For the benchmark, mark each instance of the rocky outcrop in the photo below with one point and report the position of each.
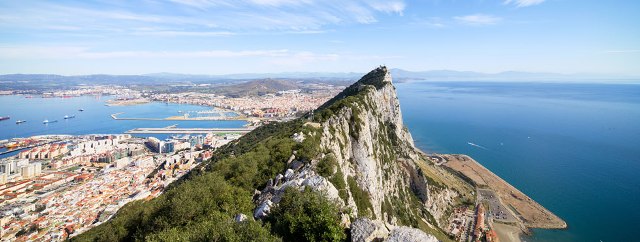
(406, 234)
(379, 176)
(302, 177)
(363, 128)
(366, 230)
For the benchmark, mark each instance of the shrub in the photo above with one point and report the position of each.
(327, 165)
(361, 197)
(306, 216)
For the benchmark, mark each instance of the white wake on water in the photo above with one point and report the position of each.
(479, 146)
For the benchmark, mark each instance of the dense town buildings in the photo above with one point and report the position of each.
(59, 189)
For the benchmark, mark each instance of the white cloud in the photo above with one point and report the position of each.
(478, 19)
(294, 14)
(191, 16)
(389, 6)
(80, 52)
(523, 3)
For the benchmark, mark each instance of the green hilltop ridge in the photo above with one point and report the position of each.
(347, 171)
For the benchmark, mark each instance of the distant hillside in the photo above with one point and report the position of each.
(154, 81)
(257, 87)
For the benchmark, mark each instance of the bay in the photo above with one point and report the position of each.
(95, 119)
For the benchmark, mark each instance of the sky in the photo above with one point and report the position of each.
(269, 36)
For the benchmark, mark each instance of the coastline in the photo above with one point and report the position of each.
(130, 102)
(182, 118)
(527, 212)
(508, 233)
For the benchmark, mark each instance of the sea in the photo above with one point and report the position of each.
(95, 119)
(574, 148)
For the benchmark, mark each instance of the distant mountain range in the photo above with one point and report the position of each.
(399, 74)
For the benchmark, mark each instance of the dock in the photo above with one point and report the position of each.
(182, 118)
(171, 130)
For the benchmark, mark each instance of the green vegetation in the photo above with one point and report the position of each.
(252, 169)
(338, 181)
(327, 165)
(309, 148)
(306, 216)
(202, 209)
(361, 197)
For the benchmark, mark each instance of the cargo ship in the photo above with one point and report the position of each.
(68, 117)
(4, 118)
(46, 121)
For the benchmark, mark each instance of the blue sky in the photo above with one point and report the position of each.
(257, 36)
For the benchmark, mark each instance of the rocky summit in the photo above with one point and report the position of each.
(346, 171)
(387, 178)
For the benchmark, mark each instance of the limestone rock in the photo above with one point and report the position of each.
(263, 209)
(240, 218)
(366, 230)
(406, 234)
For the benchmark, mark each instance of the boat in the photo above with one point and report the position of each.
(20, 121)
(68, 117)
(81, 110)
(4, 118)
(46, 121)
(12, 145)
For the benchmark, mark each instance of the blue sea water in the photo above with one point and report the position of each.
(95, 119)
(574, 148)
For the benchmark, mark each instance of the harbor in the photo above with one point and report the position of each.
(184, 117)
(172, 130)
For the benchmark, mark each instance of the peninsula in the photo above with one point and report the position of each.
(347, 169)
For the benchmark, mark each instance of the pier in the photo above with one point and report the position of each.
(115, 117)
(182, 118)
(170, 130)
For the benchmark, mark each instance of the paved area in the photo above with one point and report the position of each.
(497, 210)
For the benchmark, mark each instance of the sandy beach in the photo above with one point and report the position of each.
(507, 233)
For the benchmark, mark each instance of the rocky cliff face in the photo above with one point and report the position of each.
(362, 128)
(368, 164)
